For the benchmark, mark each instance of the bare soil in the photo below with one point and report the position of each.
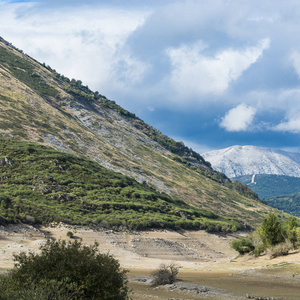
(209, 268)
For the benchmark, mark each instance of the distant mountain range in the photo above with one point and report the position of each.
(273, 174)
(248, 160)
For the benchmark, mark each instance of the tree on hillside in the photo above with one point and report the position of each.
(65, 271)
(271, 230)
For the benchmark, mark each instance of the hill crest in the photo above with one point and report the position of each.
(249, 160)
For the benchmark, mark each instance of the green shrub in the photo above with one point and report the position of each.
(70, 268)
(270, 235)
(70, 234)
(259, 249)
(242, 245)
(45, 289)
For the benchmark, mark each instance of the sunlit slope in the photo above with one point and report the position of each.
(39, 105)
(42, 185)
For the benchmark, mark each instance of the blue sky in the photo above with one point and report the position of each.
(211, 73)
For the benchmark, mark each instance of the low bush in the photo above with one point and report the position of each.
(165, 274)
(259, 249)
(242, 245)
(70, 234)
(280, 249)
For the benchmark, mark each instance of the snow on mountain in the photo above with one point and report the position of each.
(248, 160)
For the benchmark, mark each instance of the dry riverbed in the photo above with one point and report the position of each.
(209, 268)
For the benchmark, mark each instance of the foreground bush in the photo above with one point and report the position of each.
(165, 274)
(45, 289)
(65, 271)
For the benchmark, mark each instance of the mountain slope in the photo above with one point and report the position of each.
(39, 105)
(287, 203)
(40, 184)
(248, 160)
(268, 186)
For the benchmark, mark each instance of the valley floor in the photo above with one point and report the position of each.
(209, 268)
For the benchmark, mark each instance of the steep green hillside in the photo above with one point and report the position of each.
(39, 105)
(287, 203)
(267, 186)
(39, 184)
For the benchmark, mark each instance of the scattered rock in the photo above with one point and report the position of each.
(6, 161)
(259, 298)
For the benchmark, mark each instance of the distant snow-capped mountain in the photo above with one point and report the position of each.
(247, 160)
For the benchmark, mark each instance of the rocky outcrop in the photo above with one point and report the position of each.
(6, 161)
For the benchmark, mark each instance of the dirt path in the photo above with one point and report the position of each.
(209, 268)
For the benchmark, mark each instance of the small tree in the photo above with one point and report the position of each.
(271, 230)
(165, 274)
(70, 234)
(73, 267)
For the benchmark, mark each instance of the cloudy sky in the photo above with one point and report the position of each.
(211, 73)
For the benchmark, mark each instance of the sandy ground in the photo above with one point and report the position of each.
(209, 268)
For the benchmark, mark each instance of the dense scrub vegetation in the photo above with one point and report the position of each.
(287, 203)
(41, 185)
(272, 235)
(64, 271)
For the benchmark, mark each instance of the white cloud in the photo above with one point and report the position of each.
(295, 58)
(196, 74)
(238, 118)
(126, 71)
(292, 125)
(131, 53)
(80, 42)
